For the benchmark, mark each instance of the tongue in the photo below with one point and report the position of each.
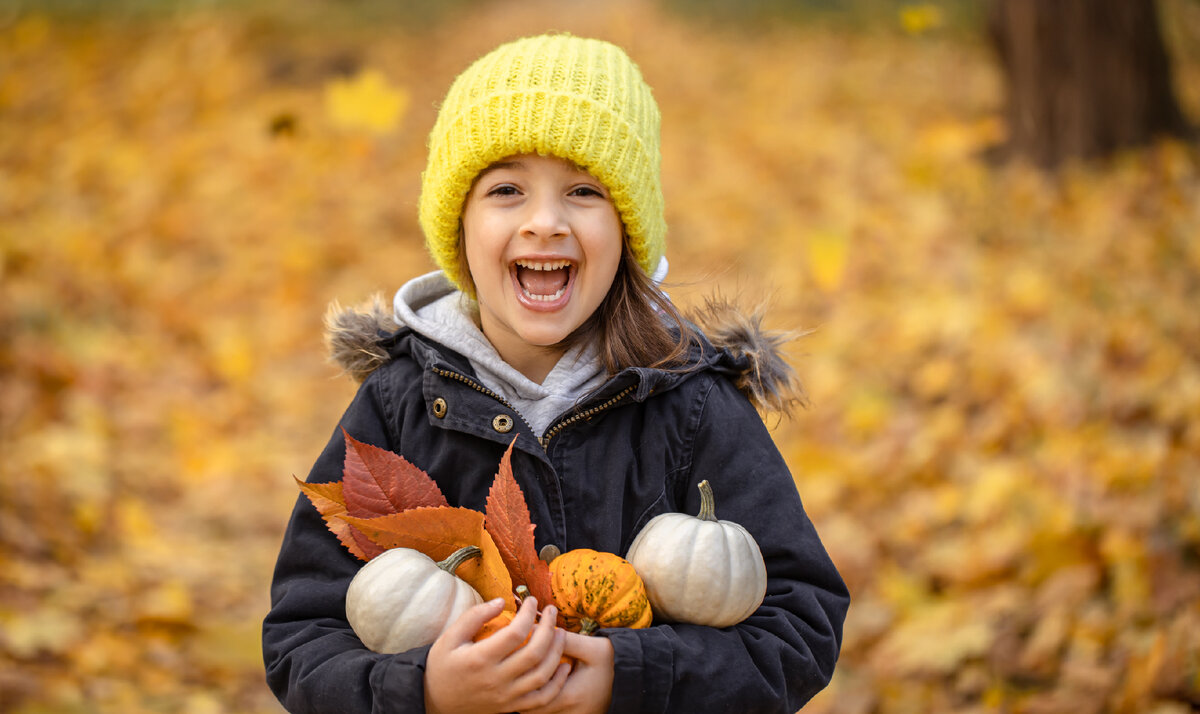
(542, 282)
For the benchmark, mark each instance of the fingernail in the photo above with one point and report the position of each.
(496, 601)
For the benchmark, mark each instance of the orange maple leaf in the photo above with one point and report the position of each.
(330, 502)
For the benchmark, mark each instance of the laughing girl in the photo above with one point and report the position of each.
(541, 205)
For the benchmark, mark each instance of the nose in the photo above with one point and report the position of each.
(545, 218)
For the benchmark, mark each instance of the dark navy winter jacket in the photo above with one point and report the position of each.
(636, 448)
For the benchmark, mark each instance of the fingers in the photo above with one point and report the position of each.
(546, 694)
(588, 688)
(582, 647)
(520, 662)
(450, 656)
(534, 642)
(587, 650)
(538, 637)
(511, 637)
(463, 630)
(534, 664)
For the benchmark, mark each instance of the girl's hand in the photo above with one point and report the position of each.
(589, 687)
(503, 673)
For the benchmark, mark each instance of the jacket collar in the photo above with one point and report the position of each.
(732, 342)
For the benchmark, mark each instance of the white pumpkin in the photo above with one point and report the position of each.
(698, 569)
(402, 599)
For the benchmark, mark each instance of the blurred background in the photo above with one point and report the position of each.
(988, 214)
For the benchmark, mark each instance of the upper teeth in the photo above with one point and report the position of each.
(543, 265)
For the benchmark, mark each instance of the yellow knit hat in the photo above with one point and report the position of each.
(556, 95)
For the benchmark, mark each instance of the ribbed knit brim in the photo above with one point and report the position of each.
(557, 95)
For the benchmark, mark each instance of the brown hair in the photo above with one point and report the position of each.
(632, 327)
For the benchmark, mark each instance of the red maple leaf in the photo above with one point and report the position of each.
(378, 482)
(507, 520)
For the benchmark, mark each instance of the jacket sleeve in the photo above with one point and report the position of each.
(314, 661)
(783, 654)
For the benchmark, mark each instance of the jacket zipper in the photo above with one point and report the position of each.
(459, 377)
(552, 431)
(586, 414)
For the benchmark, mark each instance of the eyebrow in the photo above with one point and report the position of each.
(514, 164)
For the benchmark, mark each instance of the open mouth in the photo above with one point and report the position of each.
(543, 281)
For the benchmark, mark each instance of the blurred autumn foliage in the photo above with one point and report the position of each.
(1003, 448)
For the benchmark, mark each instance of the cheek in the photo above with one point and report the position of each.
(612, 246)
(476, 255)
(473, 235)
(612, 263)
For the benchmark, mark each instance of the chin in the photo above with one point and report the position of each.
(545, 339)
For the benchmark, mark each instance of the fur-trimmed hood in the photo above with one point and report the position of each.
(733, 340)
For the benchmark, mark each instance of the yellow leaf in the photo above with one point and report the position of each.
(918, 19)
(134, 522)
(169, 602)
(233, 355)
(934, 640)
(1125, 555)
(366, 102)
(901, 589)
(105, 653)
(45, 630)
(936, 377)
(867, 411)
(827, 255)
(227, 644)
(1042, 648)
(31, 33)
(1029, 291)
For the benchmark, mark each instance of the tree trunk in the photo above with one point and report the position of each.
(1083, 77)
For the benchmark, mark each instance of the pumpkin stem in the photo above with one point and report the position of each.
(587, 626)
(459, 557)
(708, 505)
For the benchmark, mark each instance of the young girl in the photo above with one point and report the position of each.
(542, 206)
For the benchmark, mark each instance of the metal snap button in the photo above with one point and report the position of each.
(549, 552)
(439, 407)
(503, 423)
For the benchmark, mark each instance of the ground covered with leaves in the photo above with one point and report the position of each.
(1003, 442)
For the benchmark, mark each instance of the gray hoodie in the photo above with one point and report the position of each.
(431, 306)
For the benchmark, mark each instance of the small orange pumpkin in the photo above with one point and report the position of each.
(496, 624)
(593, 589)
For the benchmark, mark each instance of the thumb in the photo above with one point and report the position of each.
(464, 629)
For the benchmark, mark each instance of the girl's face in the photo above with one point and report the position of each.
(543, 242)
